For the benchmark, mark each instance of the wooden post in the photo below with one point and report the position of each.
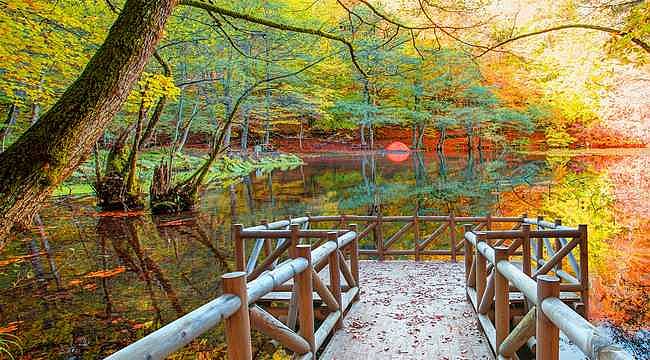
(548, 335)
(524, 216)
(303, 283)
(469, 254)
(268, 243)
(540, 244)
(354, 254)
(584, 269)
(481, 271)
(501, 298)
(525, 247)
(488, 222)
(452, 235)
(379, 236)
(335, 278)
(295, 236)
(416, 235)
(238, 329)
(240, 252)
(558, 244)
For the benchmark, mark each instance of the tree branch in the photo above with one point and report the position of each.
(642, 44)
(275, 25)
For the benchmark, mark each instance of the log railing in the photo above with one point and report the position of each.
(417, 235)
(289, 268)
(298, 296)
(493, 280)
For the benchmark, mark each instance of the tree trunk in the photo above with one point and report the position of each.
(160, 106)
(441, 141)
(155, 119)
(5, 131)
(244, 130)
(36, 111)
(421, 136)
(51, 149)
(414, 136)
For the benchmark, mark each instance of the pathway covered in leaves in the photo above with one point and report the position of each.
(410, 310)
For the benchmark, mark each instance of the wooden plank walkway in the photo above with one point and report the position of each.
(410, 310)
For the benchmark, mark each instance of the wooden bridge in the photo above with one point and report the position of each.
(522, 286)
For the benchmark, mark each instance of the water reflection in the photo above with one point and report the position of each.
(83, 284)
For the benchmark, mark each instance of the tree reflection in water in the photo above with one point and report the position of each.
(84, 284)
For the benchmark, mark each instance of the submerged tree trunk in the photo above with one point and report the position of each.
(52, 148)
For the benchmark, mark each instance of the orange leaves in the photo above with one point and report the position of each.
(11, 327)
(187, 221)
(106, 273)
(101, 274)
(119, 214)
(18, 259)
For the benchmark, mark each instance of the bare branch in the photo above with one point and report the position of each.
(642, 44)
(275, 25)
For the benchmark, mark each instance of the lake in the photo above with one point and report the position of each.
(84, 284)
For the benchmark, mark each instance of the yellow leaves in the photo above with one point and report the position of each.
(150, 88)
(44, 45)
(557, 137)
(280, 355)
(157, 85)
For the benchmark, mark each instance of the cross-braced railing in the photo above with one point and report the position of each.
(290, 274)
(298, 296)
(518, 305)
(417, 235)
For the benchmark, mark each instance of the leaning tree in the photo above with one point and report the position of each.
(48, 152)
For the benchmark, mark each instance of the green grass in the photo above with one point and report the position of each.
(223, 172)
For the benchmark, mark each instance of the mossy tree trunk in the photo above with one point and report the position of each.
(160, 106)
(118, 188)
(63, 138)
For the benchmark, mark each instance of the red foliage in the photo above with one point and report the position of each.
(600, 137)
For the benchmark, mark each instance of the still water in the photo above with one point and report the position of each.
(84, 284)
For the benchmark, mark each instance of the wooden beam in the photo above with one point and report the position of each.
(488, 298)
(433, 235)
(518, 337)
(397, 235)
(275, 329)
(268, 262)
(324, 292)
(347, 274)
(480, 271)
(548, 266)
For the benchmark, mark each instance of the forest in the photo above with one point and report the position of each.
(110, 81)
(136, 113)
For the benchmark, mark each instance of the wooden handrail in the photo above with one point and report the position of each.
(390, 245)
(549, 312)
(233, 306)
